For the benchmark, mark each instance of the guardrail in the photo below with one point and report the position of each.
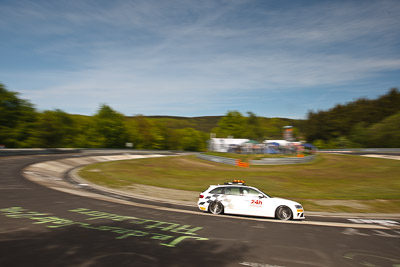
(223, 160)
(282, 161)
(265, 161)
(82, 151)
(361, 150)
(36, 151)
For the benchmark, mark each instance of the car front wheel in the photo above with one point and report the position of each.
(283, 213)
(216, 207)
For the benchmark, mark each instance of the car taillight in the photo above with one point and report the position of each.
(201, 196)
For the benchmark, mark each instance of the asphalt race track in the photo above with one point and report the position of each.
(40, 226)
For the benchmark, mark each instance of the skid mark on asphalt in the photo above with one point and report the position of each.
(372, 232)
(370, 258)
(167, 233)
(373, 221)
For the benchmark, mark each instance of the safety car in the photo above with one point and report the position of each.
(238, 198)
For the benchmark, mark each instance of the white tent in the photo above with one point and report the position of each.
(223, 144)
(280, 142)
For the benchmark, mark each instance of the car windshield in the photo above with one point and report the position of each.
(265, 193)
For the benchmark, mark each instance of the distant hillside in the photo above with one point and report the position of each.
(208, 123)
(204, 123)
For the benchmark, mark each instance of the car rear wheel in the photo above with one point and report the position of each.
(283, 213)
(216, 207)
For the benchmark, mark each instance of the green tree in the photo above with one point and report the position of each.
(141, 133)
(320, 144)
(54, 128)
(232, 124)
(110, 128)
(17, 117)
(273, 128)
(172, 138)
(359, 135)
(385, 133)
(85, 133)
(342, 119)
(344, 142)
(254, 129)
(192, 140)
(157, 133)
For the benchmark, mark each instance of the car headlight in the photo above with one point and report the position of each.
(298, 206)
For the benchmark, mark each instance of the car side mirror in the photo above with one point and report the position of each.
(260, 196)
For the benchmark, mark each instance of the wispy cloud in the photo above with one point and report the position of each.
(180, 57)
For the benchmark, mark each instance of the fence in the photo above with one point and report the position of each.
(265, 161)
(36, 151)
(282, 161)
(223, 160)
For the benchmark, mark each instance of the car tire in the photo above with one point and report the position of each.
(283, 213)
(216, 207)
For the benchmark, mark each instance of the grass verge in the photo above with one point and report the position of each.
(340, 183)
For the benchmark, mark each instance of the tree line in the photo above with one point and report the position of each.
(362, 123)
(358, 124)
(22, 126)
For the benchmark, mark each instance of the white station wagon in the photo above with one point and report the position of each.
(237, 198)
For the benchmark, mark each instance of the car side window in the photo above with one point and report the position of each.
(253, 192)
(219, 190)
(232, 191)
(249, 192)
(245, 191)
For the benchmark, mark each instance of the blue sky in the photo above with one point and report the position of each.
(198, 58)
